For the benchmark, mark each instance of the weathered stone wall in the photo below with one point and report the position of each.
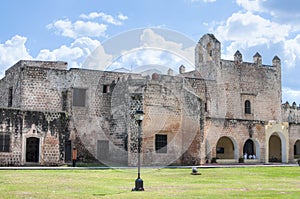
(194, 109)
(207, 57)
(171, 108)
(40, 91)
(50, 128)
(104, 116)
(162, 106)
(290, 113)
(12, 80)
(294, 136)
(258, 84)
(36, 85)
(238, 131)
(238, 81)
(32, 82)
(193, 128)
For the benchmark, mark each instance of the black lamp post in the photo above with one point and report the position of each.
(139, 116)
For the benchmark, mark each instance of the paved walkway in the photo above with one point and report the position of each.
(154, 167)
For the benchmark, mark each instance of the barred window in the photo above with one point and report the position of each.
(4, 142)
(161, 142)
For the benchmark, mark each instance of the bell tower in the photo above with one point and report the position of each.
(207, 56)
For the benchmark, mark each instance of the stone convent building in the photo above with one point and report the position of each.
(223, 110)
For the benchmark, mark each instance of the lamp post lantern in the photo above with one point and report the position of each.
(139, 116)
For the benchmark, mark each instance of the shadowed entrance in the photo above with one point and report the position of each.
(32, 149)
(275, 149)
(297, 149)
(225, 148)
(249, 148)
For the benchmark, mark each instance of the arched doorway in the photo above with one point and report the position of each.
(297, 149)
(32, 149)
(225, 148)
(275, 148)
(249, 149)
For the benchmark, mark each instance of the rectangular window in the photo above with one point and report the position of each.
(68, 151)
(79, 97)
(4, 142)
(161, 142)
(10, 96)
(220, 150)
(64, 103)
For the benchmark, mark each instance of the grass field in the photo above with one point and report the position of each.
(246, 182)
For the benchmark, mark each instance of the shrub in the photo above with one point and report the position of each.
(214, 160)
(241, 159)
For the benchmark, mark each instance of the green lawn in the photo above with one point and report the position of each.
(250, 182)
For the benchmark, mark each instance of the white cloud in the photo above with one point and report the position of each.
(133, 59)
(12, 51)
(292, 51)
(87, 44)
(147, 48)
(78, 29)
(99, 59)
(290, 95)
(284, 11)
(149, 59)
(62, 53)
(246, 30)
(151, 39)
(105, 17)
(82, 28)
(73, 54)
(122, 17)
(251, 5)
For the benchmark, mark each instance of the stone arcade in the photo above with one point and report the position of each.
(223, 110)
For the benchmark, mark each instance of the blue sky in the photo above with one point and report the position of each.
(70, 30)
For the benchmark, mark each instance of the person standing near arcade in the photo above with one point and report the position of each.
(74, 156)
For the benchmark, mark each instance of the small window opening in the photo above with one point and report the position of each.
(10, 96)
(161, 142)
(247, 107)
(105, 88)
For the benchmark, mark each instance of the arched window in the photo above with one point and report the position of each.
(247, 107)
